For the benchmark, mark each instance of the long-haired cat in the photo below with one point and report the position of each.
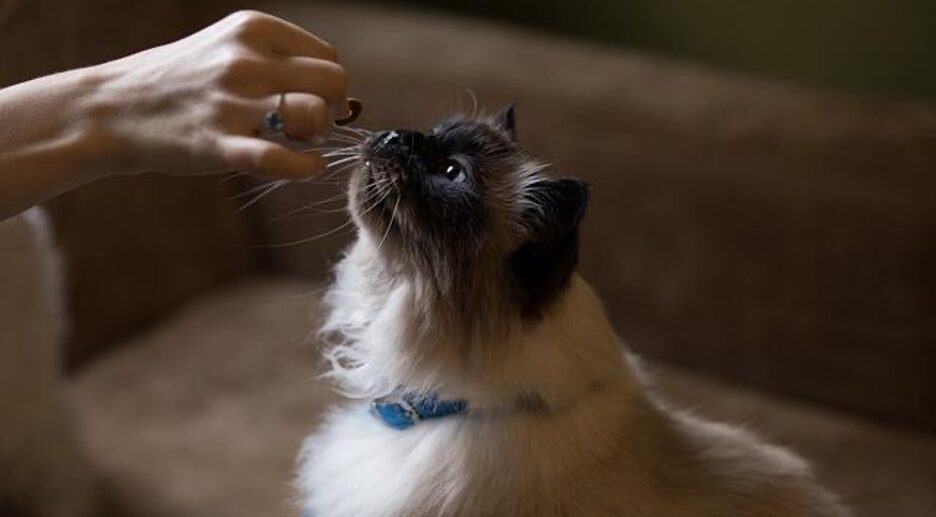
(483, 375)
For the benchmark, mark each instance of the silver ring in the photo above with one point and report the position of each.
(274, 119)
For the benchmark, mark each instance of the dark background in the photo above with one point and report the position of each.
(874, 47)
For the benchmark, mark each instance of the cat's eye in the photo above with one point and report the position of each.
(454, 171)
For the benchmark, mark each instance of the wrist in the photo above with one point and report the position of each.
(96, 139)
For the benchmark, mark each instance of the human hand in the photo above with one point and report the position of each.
(198, 105)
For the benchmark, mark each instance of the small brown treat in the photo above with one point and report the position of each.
(356, 107)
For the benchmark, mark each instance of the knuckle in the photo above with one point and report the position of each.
(340, 77)
(246, 23)
(237, 66)
(307, 117)
(220, 107)
(206, 143)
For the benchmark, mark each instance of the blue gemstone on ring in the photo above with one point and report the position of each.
(274, 121)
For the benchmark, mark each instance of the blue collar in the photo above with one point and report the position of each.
(406, 410)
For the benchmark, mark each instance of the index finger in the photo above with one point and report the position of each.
(326, 79)
(289, 39)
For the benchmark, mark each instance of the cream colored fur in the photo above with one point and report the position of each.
(605, 446)
(42, 471)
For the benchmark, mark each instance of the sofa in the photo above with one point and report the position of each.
(767, 249)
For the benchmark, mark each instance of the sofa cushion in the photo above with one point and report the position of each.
(205, 414)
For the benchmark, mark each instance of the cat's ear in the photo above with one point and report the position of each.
(544, 263)
(506, 120)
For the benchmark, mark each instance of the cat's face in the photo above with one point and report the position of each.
(464, 207)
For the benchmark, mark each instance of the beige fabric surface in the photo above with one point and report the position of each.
(204, 415)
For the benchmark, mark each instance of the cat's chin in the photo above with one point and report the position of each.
(374, 203)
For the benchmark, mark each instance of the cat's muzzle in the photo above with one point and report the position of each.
(393, 153)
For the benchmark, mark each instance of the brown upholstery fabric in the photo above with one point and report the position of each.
(134, 247)
(138, 247)
(6, 9)
(766, 234)
(204, 415)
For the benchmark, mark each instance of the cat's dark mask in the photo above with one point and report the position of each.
(467, 208)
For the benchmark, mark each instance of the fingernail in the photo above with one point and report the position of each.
(355, 107)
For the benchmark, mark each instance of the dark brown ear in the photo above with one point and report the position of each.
(544, 264)
(507, 120)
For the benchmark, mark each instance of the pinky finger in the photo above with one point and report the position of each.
(265, 158)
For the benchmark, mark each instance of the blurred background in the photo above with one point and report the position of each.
(762, 229)
(868, 47)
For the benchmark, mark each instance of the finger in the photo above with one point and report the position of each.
(289, 39)
(266, 158)
(259, 29)
(304, 115)
(325, 79)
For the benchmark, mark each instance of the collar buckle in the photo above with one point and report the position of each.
(406, 410)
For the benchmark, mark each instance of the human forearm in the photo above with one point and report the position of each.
(194, 106)
(49, 140)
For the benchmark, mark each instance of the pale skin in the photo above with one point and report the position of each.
(194, 106)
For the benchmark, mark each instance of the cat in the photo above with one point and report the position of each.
(43, 471)
(483, 376)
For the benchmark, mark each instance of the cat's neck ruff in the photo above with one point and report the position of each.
(388, 343)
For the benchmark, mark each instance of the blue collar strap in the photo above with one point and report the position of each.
(406, 410)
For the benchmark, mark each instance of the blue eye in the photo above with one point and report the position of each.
(454, 171)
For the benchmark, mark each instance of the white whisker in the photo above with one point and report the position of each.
(252, 190)
(270, 189)
(312, 206)
(333, 231)
(390, 222)
(341, 161)
(233, 175)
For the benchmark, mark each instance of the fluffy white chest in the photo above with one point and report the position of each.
(513, 462)
(357, 465)
(518, 464)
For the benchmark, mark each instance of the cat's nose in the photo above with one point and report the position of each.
(400, 139)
